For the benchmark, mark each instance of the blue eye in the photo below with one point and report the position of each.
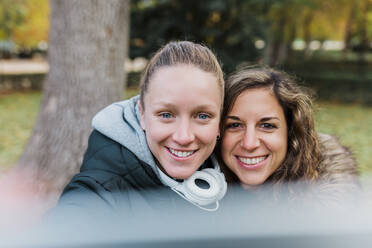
(203, 116)
(165, 115)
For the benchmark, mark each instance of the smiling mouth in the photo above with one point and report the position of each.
(180, 153)
(252, 161)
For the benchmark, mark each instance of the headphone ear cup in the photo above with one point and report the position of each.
(202, 196)
(221, 181)
(199, 195)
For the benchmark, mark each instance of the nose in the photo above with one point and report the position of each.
(251, 140)
(183, 134)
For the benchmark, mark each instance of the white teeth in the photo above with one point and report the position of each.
(251, 161)
(180, 154)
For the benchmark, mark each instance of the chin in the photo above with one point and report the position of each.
(252, 182)
(180, 174)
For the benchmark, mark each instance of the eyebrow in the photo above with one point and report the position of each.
(209, 107)
(270, 118)
(262, 119)
(165, 104)
(233, 117)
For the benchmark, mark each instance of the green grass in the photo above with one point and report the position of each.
(350, 122)
(18, 114)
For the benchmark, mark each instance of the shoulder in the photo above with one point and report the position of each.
(110, 166)
(338, 180)
(337, 159)
(105, 163)
(97, 142)
(108, 156)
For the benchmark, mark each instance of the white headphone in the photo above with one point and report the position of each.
(197, 195)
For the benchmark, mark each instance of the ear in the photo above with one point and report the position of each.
(142, 115)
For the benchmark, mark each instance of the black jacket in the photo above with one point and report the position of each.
(113, 179)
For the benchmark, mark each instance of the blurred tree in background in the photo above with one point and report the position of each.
(87, 48)
(35, 26)
(250, 30)
(360, 30)
(24, 23)
(12, 14)
(229, 27)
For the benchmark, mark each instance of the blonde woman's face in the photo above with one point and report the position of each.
(255, 140)
(181, 118)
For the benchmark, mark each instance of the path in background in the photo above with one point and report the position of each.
(22, 66)
(37, 66)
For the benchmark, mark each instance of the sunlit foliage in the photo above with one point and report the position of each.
(24, 22)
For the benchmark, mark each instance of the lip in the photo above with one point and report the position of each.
(181, 158)
(253, 166)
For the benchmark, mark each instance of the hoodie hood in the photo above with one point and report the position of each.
(120, 122)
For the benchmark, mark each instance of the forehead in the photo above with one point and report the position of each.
(186, 79)
(188, 72)
(258, 101)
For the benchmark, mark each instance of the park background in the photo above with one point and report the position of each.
(327, 45)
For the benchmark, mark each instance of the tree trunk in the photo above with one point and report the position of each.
(276, 44)
(307, 34)
(87, 47)
(291, 39)
(348, 29)
(364, 43)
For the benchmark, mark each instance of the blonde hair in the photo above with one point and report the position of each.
(182, 52)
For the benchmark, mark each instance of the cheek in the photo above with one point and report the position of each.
(154, 131)
(208, 134)
(227, 147)
(278, 145)
(230, 139)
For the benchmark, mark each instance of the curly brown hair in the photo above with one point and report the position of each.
(303, 155)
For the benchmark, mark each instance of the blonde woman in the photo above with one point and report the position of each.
(160, 140)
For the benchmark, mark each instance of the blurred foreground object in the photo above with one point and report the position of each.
(244, 220)
(21, 207)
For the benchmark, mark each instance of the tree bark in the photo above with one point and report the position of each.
(291, 39)
(348, 29)
(275, 49)
(88, 43)
(363, 32)
(307, 33)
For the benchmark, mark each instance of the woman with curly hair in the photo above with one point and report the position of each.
(268, 136)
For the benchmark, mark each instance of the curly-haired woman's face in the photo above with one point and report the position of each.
(255, 140)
